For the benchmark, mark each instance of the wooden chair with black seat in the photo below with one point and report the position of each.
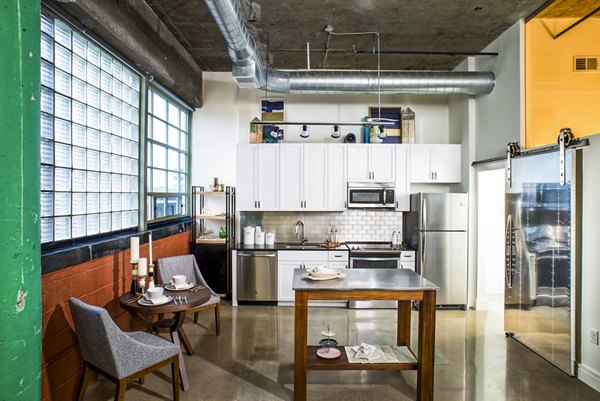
(166, 268)
(121, 357)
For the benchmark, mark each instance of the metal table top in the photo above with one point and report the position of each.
(366, 279)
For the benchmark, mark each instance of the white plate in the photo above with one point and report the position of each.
(144, 302)
(328, 353)
(322, 278)
(171, 287)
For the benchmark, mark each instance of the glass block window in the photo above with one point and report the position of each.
(89, 137)
(167, 156)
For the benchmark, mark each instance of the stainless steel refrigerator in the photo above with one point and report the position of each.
(436, 227)
(540, 258)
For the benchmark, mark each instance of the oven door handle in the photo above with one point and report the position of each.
(375, 259)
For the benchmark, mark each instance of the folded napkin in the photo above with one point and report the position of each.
(155, 300)
(179, 286)
(322, 270)
(365, 351)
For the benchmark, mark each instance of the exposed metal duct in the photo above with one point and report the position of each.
(249, 71)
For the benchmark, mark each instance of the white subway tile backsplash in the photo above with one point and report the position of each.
(351, 225)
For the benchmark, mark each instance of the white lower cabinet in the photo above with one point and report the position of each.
(289, 261)
(407, 260)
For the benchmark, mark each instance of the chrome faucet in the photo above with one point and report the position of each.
(299, 224)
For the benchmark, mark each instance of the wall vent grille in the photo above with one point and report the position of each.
(585, 63)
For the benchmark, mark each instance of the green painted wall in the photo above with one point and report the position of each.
(20, 271)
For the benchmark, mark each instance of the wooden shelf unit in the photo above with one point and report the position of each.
(211, 241)
(212, 216)
(214, 254)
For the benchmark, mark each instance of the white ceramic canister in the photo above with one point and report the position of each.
(269, 238)
(259, 238)
(248, 235)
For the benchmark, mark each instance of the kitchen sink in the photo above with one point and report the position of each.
(302, 246)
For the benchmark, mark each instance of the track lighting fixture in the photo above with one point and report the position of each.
(336, 132)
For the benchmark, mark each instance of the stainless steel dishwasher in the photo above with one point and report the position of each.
(256, 276)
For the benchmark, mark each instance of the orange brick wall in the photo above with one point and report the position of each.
(99, 282)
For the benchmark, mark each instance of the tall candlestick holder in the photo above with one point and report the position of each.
(134, 278)
(151, 275)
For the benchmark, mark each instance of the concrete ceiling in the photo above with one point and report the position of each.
(404, 25)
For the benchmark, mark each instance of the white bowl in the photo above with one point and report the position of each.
(179, 279)
(155, 293)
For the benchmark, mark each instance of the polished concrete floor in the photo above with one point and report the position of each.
(252, 360)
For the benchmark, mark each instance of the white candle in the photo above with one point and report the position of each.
(142, 267)
(150, 245)
(134, 243)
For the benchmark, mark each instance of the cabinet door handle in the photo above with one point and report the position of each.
(345, 204)
(255, 204)
(259, 204)
(396, 204)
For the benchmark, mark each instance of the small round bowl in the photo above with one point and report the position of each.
(328, 342)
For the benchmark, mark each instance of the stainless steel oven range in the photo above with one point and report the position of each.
(373, 255)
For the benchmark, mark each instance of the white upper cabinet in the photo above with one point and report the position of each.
(358, 163)
(402, 183)
(258, 177)
(303, 179)
(435, 163)
(375, 163)
(246, 178)
(314, 176)
(337, 184)
(290, 185)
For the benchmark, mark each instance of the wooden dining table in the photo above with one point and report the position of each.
(170, 318)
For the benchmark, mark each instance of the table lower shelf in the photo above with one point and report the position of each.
(313, 362)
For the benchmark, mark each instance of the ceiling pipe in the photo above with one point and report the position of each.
(249, 71)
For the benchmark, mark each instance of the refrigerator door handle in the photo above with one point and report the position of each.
(423, 221)
(508, 254)
(422, 252)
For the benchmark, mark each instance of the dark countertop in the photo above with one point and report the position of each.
(282, 246)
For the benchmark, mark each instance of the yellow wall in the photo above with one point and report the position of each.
(555, 96)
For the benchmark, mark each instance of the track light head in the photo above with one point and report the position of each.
(336, 132)
(304, 133)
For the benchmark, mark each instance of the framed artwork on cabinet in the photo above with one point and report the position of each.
(272, 110)
(389, 114)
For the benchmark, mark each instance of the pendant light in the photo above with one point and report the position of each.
(336, 132)
(304, 133)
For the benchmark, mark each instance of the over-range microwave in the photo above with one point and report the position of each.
(371, 195)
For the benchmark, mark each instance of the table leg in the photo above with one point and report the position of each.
(300, 344)
(186, 342)
(185, 384)
(426, 347)
(403, 336)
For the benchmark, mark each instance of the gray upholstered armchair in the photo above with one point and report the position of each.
(119, 356)
(186, 264)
